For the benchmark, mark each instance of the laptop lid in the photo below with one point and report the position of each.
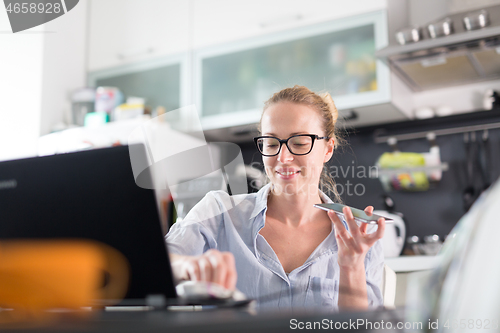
(90, 195)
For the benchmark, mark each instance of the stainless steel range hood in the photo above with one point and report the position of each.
(460, 58)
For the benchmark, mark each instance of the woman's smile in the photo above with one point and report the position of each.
(287, 174)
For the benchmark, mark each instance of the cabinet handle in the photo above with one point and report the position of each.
(135, 53)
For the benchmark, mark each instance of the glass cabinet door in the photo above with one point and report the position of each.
(157, 81)
(338, 57)
(159, 86)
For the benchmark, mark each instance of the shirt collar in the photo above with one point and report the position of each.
(261, 200)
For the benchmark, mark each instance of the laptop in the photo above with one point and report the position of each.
(90, 195)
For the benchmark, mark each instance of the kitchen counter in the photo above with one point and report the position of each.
(412, 263)
(407, 267)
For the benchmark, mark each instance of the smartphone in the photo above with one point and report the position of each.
(359, 215)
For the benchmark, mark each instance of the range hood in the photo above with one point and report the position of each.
(459, 58)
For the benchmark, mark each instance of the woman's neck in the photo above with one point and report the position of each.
(293, 209)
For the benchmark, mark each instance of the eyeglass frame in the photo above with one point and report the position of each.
(314, 137)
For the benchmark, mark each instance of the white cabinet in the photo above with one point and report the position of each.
(221, 21)
(235, 78)
(235, 54)
(129, 31)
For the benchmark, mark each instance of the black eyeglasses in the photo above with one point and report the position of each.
(301, 144)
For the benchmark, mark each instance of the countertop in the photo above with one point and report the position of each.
(412, 263)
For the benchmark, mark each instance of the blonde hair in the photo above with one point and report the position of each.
(324, 104)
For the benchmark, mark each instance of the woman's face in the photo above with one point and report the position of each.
(293, 174)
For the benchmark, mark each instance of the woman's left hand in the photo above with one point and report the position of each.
(355, 243)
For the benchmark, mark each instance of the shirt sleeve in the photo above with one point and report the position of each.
(194, 235)
(374, 265)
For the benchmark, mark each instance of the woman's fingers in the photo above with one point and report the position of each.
(231, 276)
(357, 238)
(224, 269)
(193, 269)
(363, 227)
(206, 269)
(353, 227)
(380, 230)
(340, 229)
(341, 241)
(219, 270)
(342, 233)
(213, 266)
(369, 212)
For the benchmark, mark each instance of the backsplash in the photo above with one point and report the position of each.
(435, 211)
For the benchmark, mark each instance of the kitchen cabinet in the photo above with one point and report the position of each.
(234, 79)
(130, 31)
(234, 55)
(157, 81)
(161, 82)
(221, 21)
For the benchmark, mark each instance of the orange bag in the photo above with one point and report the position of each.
(37, 275)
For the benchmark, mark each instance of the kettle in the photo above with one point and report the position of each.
(395, 233)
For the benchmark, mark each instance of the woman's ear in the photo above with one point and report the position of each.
(330, 146)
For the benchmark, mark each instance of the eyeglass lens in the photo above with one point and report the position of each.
(296, 145)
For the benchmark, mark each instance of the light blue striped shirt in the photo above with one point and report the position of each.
(232, 224)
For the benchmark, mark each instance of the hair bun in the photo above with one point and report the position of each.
(327, 98)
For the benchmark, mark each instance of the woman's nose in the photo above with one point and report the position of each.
(285, 155)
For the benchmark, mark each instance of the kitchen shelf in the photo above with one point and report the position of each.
(448, 131)
(383, 171)
(473, 118)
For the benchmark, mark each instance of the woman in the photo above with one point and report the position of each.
(274, 245)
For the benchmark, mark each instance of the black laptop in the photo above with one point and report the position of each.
(90, 195)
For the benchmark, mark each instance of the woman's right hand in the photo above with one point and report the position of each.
(212, 266)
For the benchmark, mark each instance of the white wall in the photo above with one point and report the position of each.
(425, 11)
(457, 6)
(38, 70)
(64, 69)
(21, 59)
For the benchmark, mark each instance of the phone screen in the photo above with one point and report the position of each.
(359, 215)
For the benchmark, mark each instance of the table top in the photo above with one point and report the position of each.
(212, 320)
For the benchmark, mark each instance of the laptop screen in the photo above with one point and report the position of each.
(90, 195)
